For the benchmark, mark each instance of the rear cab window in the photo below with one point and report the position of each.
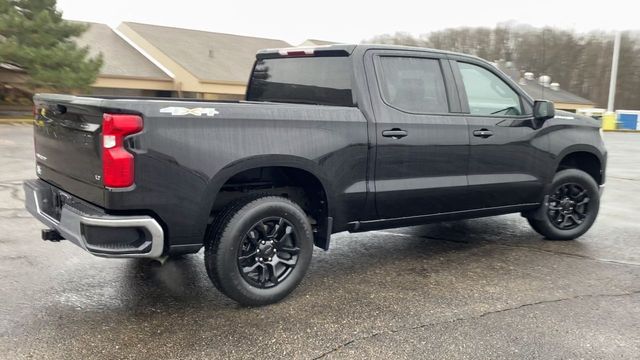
(323, 80)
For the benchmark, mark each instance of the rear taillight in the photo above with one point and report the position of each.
(117, 163)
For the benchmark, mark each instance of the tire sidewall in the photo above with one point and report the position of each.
(230, 277)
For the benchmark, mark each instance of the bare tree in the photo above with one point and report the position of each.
(579, 62)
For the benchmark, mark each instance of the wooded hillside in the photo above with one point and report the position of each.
(580, 62)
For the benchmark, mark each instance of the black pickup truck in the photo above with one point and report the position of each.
(329, 139)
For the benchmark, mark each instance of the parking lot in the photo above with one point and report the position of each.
(484, 288)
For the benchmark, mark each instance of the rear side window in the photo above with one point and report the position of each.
(304, 80)
(413, 84)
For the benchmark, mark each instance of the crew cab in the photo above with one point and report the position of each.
(329, 139)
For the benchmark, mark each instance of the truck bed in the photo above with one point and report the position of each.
(184, 148)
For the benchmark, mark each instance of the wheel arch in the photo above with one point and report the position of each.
(565, 159)
(585, 158)
(308, 168)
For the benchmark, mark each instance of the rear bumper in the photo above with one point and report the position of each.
(90, 227)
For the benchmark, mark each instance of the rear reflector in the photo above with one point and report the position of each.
(117, 162)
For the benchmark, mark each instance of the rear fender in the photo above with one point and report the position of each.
(216, 183)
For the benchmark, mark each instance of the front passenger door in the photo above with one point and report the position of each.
(507, 157)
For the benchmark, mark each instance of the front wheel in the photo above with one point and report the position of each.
(571, 207)
(259, 249)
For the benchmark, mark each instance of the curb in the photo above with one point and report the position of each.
(623, 131)
(16, 121)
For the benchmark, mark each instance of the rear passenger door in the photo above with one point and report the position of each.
(421, 137)
(507, 158)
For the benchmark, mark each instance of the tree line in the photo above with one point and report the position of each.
(34, 37)
(580, 62)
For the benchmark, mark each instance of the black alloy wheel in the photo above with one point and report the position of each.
(568, 206)
(268, 253)
(258, 249)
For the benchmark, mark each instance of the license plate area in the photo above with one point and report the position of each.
(52, 202)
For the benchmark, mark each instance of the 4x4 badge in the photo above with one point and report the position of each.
(180, 111)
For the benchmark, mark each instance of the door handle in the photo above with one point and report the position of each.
(395, 133)
(483, 133)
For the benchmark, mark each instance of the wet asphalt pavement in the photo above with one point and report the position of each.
(485, 288)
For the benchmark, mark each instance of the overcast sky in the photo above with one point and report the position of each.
(351, 21)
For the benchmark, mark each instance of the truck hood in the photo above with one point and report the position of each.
(584, 120)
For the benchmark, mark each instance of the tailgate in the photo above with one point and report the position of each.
(67, 145)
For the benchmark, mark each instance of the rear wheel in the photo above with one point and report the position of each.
(259, 249)
(571, 208)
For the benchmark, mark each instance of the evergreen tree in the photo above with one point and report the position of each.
(34, 36)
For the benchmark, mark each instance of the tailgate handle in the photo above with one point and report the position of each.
(395, 133)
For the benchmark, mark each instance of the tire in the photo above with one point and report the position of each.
(571, 207)
(270, 235)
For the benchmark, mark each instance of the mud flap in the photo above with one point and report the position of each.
(322, 237)
(540, 212)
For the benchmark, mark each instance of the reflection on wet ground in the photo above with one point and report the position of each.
(477, 288)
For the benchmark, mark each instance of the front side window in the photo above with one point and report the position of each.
(413, 84)
(487, 93)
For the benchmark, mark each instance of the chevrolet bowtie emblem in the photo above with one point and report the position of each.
(181, 111)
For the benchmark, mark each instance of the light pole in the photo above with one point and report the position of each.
(614, 72)
(609, 118)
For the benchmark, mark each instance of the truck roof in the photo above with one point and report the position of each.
(346, 50)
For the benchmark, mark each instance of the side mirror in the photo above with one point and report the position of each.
(543, 110)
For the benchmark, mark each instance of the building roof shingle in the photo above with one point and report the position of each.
(208, 56)
(120, 58)
(541, 92)
(316, 42)
(538, 91)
